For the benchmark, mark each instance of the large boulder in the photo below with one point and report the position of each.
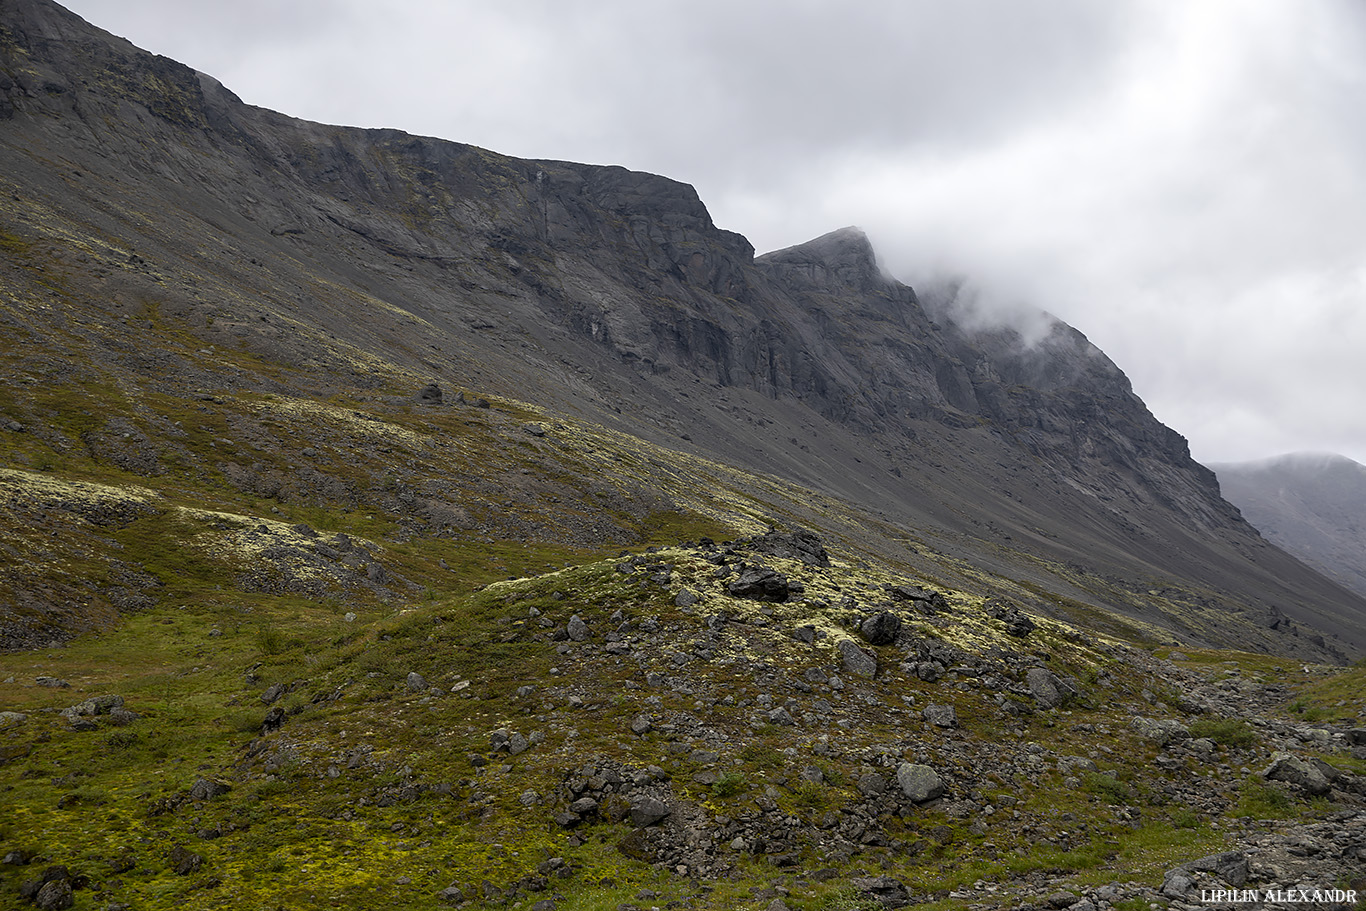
(881, 628)
(855, 660)
(761, 583)
(919, 783)
(1048, 689)
(1293, 770)
(801, 545)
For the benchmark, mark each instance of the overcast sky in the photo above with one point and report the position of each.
(1182, 180)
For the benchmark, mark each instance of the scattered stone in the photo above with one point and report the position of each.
(417, 683)
(429, 395)
(535, 429)
(273, 693)
(686, 598)
(8, 719)
(919, 783)
(1016, 622)
(53, 682)
(641, 725)
(855, 660)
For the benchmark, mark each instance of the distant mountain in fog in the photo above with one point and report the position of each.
(1310, 504)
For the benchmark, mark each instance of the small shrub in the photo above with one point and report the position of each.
(121, 740)
(1183, 818)
(270, 640)
(1230, 732)
(1112, 789)
(1262, 801)
(730, 784)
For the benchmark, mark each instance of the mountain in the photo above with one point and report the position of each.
(170, 219)
(385, 521)
(1312, 505)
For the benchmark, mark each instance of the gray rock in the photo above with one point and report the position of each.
(53, 682)
(800, 544)
(1048, 690)
(208, 789)
(780, 716)
(648, 811)
(1177, 883)
(881, 629)
(641, 725)
(273, 693)
(55, 896)
(1160, 731)
(686, 598)
(872, 784)
(919, 783)
(577, 629)
(1293, 770)
(855, 660)
(451, 895)
(184, 861)
(8, 719)
(416, 682)
(583, 806)
(517, 744)
(1233, 867)
(761, 584)
(889, 892)
(942, 716)
(429, 395)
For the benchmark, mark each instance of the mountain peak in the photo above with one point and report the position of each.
(844, 257)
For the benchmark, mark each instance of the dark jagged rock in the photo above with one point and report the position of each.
(881, 628)
(801, 545)
(761, 584)
(429, 395)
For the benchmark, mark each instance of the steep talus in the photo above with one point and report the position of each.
(181, 221)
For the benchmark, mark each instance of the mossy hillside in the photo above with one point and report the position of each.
(307, 820)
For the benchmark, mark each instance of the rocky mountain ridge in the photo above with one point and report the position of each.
(609, 295)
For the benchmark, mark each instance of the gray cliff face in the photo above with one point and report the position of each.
(612, 295)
